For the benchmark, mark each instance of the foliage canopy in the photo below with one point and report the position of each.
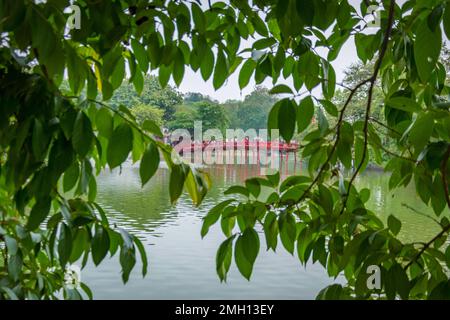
(52, 143)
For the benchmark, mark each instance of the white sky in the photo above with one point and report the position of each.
(193, 81)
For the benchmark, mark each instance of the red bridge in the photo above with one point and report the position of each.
(239, 145)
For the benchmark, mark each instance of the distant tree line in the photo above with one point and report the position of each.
(171, 109)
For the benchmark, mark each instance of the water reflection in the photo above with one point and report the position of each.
(182, 265)
(415, 226)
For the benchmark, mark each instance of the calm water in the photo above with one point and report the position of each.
(182, 265)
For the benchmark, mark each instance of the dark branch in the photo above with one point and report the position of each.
(372, 82)
(447, 199)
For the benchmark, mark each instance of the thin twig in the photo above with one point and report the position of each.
(447, 199)
(395, 154)
(372, 81)
(338, 132)
(385, 126)
(420, 213)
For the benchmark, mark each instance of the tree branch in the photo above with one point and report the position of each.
(372, 81)
(338, 133)
(447, 199)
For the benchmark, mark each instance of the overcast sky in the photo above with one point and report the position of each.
(193, 82)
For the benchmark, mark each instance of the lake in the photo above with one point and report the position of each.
(182, 265)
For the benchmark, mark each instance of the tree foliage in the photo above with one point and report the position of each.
(143, 112)
(403, 95)
(52, 143)
(211, 114)
(253, 111)
(152, 95)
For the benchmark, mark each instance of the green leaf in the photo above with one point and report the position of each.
(333, 292)
(394, 224)
(221, 70)
(87, 290)
(149, 163)
(259, 25)
(15, 264)
(223, 258)
(164, 75)
(214, 215)
(440, 292)
(176, 183)
(141, 54)
(303, 245)
(80, 243)
(107, 90)
(198, 17)
(281, 88)
(286, 119)
(138, 81)
(100, 244)
(446, 20)
(401, 281)
(271, 230)
(39, 212)
(11, 294)
(82, 137)
(329, 80)
(272, 121)
(330, 107)
(294, 180)
(178, 68)
(104, 122)
(344, 153)
(434, 18)
(237, 190)
(115, 240)
(207, 65)
(246, 72)
(438, 202)
(344, 147)
(76, 71)
(305, 113)
(246, 251)
(11, 245)
(195, 186)
(116, 78)
(309, 69)
(121, 143)
(404, 104)
(362, 42)
(64, 244)
(427, 48)
(143, 254)
(288, 231)
(322, 121)
(39, 140)
(421, 131)
(71, 177)
(152, 127)
(227, 225)
(253, 185)
(274, 179)
(127, 261)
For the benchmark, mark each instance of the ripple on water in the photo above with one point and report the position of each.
(182, 265)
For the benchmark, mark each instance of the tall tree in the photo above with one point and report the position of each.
(253, 111)
(143, 112)
(212, 115)
(152, 94)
